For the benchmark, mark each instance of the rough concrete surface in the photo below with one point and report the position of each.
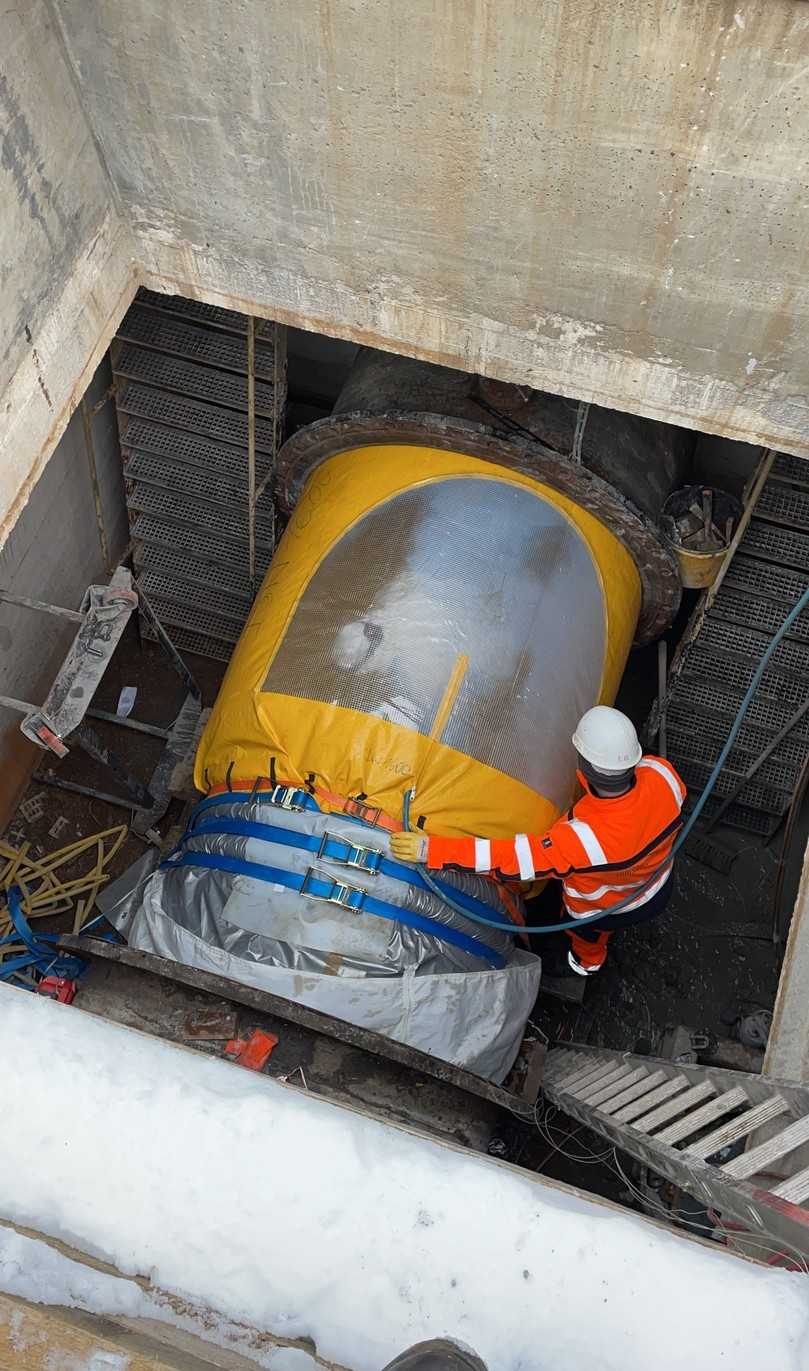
(53, 553)
(607, 201)
(65, 254)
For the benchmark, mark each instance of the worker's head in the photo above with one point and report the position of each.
(608, 749)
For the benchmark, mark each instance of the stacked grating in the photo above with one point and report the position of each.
(721, 649)
(181, 390)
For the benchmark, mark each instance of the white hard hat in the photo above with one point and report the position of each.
(606, 739)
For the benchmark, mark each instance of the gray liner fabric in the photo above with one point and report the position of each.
(261, 933)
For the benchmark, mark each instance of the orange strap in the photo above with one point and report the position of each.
(355, 809)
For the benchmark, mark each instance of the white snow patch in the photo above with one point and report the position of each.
(303, 1219)
(34, 1271)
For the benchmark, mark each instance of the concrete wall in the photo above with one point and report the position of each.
(605, 200)
(65, 253)
(53, 553)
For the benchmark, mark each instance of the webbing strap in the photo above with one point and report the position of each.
(338, 893)
(294, 797)
(339, 849)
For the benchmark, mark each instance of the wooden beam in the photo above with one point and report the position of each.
(36, 1337)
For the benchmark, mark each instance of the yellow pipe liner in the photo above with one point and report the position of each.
(431, 620)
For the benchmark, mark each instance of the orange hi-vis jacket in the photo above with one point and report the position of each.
(601, 850)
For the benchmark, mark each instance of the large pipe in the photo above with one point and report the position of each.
(447, 599)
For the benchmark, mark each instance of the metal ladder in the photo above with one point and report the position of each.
(680, 1120)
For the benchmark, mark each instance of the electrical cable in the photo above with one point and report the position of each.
(780, 633)
(35, 889)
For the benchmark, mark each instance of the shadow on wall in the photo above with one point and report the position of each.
(53, 553)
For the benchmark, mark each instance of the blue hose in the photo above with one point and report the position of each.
(780, 633)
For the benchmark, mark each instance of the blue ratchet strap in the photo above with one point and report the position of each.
(41, 955)
(339, 893)
(333, 847)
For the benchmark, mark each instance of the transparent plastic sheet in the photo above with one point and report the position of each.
(467, 610)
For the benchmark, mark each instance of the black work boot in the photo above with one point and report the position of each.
(439, 1354)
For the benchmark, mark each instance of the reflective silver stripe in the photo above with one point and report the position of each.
(483, 854)
(633, 904)
(589, 842)
(522, 847)
(596, 894)
(672, 782)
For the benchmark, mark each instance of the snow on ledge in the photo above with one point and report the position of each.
(307, 1220)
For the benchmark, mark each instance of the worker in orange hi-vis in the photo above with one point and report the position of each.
(608, 845)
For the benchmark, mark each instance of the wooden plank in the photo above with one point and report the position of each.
(325, 1025)
(41, 1338)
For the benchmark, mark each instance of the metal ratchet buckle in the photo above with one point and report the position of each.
(340, 893)
(358, 857)
(355, 809)
(284, 797)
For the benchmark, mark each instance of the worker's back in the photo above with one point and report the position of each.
(617, 842)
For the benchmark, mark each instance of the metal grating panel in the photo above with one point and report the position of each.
(731, 676)
(205, 546)
(212, 600)
(738, 606)
(771, 797)
(222, 424)
(715, 697)
(198, 483)
(231, 525)
(707, 734)
(174, 445)
(739, 816)
(211, 315)
(196, 620)
(750, 645)
(779, 504)
(179, 567)
(193, 642)
(183, 423)
(776, 545)
(760, 578)
(776, 771)
(150, 329)
(186, 378)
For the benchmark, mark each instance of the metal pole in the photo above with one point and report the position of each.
(89, 741)
(86, 418)
(49, 778)
(251, 448)
(135, 724)
(23, 602)
(662, 664)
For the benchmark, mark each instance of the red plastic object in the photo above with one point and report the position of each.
(253, 1052)
(58, 988)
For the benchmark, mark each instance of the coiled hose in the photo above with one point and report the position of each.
(779, 634)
